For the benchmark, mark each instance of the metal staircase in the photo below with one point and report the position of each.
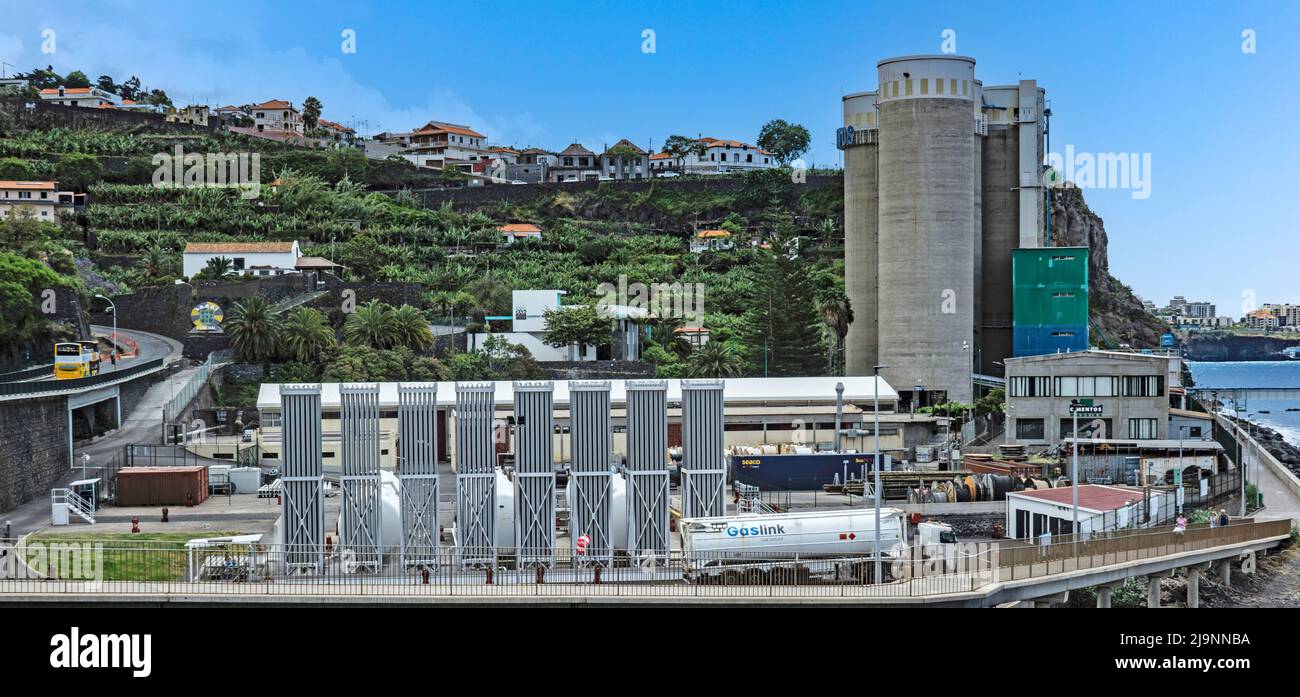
(300, 299)
(69, 501)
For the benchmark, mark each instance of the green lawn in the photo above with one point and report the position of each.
(146, 556)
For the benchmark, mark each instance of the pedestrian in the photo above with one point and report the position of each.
(1180, 524)
(1223, 517)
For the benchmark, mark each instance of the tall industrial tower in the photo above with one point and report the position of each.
(942, 180)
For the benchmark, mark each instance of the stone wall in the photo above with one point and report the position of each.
(35, 449)
(45, 115)
(472, 196)
(600, 370)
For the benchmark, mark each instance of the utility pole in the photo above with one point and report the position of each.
(875, 388)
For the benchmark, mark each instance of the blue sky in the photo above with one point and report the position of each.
(1169, 79)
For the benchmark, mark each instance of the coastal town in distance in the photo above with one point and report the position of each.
(827, 310)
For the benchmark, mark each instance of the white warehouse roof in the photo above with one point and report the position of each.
(737, 391)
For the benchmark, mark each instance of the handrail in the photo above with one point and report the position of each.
(174, 406)
(78, 384)
(27, 373)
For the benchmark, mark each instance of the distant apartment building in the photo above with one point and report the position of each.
(277, 115)
(1177, 304)
(43, 198)
(1260, 319)
(1198, 310)
(1287, 315)
(438, 144)
(624, 160)
(574, 164)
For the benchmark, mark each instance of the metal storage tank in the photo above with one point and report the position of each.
(858, 138)
(926, 227)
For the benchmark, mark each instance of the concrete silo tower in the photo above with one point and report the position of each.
(858, 138)
(927, 241)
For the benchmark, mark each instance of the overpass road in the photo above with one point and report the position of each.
(141, 423)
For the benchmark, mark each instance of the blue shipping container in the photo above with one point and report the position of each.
(798, 472)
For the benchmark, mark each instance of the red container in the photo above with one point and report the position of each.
(161, 486)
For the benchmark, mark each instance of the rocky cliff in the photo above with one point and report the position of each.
(1223, 346)
(1116, 313)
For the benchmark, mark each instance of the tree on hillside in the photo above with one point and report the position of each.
(372, 324)
(306, 335)
(784, 334)
(577, 324)
(681, 146)
(254, 330)
(412, 328)
(21, 282)
(311, 112)
(105, 82)
(130, 89)
(716, 359)
(217, 267)
(157, 97)
(77, 79)
(76, 171)
(42, 79)
(787, 141)
(15, 169)
(837, 315)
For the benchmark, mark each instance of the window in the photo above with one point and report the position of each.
(1030, 387)
(1030, 429)
(1087, 386)
(1144, 385)
(1143, 429)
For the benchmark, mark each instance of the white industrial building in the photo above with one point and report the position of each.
(1031, 514)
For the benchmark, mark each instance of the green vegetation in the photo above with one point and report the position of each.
(787, 141)
(142, 556)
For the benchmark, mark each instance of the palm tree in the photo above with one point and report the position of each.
(412, 328)
(663, 330)
(254, 330)
(372, 325)
(837, 315)
(156, 263)
(715, 359)
(218, 267)
(305, 334)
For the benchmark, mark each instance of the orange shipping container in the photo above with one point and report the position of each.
(161, 486)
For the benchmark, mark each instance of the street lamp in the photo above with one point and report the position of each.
(113, 309)
(1178, 492)
(875, 388)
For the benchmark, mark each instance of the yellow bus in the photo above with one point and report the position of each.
(76, 359)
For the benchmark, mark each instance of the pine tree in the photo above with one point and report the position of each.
(784, 334)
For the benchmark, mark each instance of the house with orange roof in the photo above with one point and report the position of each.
(439, 144)
(519, 231)
(42, 198)
(250, 258)
(337, 132)
(277, 115)
(712, 241)
(89, 97)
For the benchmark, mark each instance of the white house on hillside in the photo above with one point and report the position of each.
(528, 327)
(249, 258)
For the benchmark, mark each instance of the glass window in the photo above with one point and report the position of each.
(1030, 386)
(1030, 429)
(1142, 429)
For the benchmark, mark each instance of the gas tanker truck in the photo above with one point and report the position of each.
(833, 545)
